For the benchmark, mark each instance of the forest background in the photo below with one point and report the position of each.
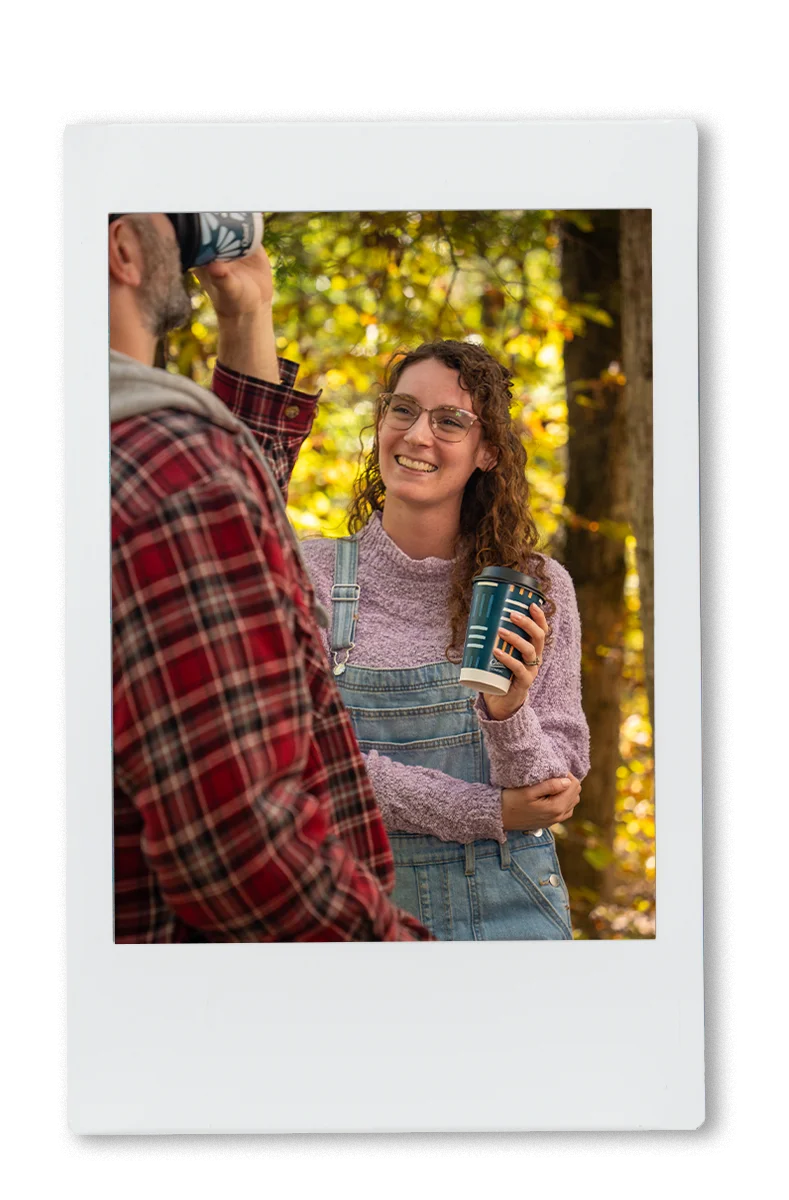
(564, 300)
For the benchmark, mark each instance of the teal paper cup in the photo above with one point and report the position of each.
(497, 593)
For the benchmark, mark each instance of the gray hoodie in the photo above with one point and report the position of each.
(136, 390)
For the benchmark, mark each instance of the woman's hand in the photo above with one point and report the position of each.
(523, 673)
(239, 287)
(541, 804)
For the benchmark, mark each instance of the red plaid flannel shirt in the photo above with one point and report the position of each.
(243, 811)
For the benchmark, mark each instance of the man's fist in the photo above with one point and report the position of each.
(239, 288)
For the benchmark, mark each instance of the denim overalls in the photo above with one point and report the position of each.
(424, 716)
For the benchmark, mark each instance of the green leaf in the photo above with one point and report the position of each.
(599, 858)
(592, 313)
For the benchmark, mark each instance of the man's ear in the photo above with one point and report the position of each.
(125, 254)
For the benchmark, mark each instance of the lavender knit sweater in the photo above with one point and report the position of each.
(547, 737)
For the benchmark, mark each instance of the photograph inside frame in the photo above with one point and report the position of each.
(382, 576)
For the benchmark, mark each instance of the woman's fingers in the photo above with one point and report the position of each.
(550, 808)
(531, 648)
(539, 617)
(528, 649)
(521, 673)
(536, 630)
(572, 801)
(532, 628)
(546, 789)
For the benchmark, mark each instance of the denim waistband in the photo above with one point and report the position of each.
(416, 849)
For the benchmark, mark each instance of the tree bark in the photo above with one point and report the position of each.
(635, 249)
(593, 550)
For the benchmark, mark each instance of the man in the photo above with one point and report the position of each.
(242, 808)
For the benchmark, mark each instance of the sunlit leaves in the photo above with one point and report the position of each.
(632, 911)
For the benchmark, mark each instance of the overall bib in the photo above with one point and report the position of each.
(423, 716)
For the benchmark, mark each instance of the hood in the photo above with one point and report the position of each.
(136, 390)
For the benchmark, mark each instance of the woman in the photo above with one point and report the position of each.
(443, 493)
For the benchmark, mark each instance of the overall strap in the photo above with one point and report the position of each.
(344, 600)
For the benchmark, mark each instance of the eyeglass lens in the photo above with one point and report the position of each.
(450, 424)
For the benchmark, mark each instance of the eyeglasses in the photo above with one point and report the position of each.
(448, 424)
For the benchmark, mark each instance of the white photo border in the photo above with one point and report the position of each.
(397, 1037)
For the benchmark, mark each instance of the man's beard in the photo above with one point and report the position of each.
(162, 296)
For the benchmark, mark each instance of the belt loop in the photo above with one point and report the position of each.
(470, 867)
(504, 851)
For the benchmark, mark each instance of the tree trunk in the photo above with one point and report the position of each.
(635, 249)
(594, 545)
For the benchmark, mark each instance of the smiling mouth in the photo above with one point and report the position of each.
(412, 464)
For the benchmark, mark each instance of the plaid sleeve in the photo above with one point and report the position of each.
(213, 728)
(279, 416)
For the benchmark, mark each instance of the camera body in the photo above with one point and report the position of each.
(206, 237)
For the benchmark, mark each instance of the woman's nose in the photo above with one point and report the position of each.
(421, 432)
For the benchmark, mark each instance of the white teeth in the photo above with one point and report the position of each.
(413, 464)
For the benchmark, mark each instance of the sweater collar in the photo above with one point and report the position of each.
(375, 539)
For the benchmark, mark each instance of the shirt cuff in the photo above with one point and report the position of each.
(274, 408)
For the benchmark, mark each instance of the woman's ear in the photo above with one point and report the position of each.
(487, 456)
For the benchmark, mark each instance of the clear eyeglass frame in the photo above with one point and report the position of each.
(463, 419)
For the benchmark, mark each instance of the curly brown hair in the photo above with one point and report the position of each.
(496, 524)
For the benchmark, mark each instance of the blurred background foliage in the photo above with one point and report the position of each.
(351, 288)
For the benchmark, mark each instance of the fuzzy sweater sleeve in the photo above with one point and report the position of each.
(548, 736)
(421, 800)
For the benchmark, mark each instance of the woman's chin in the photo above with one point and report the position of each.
(409, 489)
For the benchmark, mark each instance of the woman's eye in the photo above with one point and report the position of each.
(450, 423)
